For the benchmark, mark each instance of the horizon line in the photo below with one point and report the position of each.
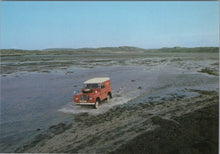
(111, 47)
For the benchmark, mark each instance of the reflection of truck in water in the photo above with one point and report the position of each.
(94, 91)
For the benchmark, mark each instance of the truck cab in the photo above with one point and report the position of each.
(94, 91)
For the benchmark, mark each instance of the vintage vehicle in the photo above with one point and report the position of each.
(95, 90)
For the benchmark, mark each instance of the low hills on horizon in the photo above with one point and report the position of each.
(121, 49)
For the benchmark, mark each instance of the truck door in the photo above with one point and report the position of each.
(102, 91)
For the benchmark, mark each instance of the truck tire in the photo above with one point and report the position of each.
(96, 104)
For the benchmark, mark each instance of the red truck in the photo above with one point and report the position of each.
(94, 91)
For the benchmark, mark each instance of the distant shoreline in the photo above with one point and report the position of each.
(124, 49)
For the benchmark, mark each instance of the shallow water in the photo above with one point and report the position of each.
(33, 101)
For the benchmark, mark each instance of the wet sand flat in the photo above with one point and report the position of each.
(149, 91)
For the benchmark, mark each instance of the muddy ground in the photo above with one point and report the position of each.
(184, 126)
(162, 103)
(185, 134)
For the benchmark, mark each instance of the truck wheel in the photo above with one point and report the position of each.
(96, 104)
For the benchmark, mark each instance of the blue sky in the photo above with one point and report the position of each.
(40, 25)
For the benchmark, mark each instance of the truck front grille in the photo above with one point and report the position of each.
(84, 97)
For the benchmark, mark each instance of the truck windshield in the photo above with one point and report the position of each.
(92, 86)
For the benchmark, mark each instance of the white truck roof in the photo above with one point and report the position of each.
(96, 80)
